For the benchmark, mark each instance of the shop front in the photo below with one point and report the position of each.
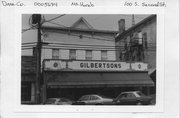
(72, 79)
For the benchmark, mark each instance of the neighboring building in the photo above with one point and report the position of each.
(28, 77)
(78, 42)
(138, 43)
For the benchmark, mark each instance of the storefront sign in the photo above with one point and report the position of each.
(93, 65)
(54, 65)
(99, 65)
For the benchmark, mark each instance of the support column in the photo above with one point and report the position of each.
(44, 87)
(33, 92)
(44, 94)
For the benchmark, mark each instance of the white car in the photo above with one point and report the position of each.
(94, 99)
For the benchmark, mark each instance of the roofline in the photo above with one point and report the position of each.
(151, 17)
(78, 29)
(84, 20)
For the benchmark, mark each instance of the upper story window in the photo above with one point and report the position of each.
(72, 54)
(140, 38)
(145, 42)
(55, 53)
(104, 55)
(88, 54)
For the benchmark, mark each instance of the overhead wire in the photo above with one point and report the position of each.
(35, 26)
(80, 45)
(94, 49)
(54, 18)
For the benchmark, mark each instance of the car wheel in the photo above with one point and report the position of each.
(138, 103)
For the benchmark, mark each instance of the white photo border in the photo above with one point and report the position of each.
(94, 109)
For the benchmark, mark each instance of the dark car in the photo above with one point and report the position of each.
(59, 101)
(132, 98)
(93, 99)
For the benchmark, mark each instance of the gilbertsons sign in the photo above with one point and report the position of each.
(92, 65)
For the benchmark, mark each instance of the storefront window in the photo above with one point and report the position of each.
(88, 54)
(104, 55)
(55, 53)
(72, 54)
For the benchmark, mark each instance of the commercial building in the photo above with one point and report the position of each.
(80, 60)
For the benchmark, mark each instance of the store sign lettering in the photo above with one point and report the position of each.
(97, 65)
(100, 65)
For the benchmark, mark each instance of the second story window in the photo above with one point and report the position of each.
(140, 38)
(104, 55)
(55, 53)
(88, 54)
(72, 54)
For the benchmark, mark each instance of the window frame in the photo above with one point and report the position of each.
(55, 56)
(103, 57)
(89, 57)
(72, 57)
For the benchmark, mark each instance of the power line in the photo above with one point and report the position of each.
(58, 24)
(80, 45)
(55, 18)
(85, 48)
(24, 30)
(35, 26)
(29, 43)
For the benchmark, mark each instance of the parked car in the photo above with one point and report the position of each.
(93, 99)
(59, 101)
(132, 98)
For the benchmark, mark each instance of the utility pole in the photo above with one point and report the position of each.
(36, 19)
(39, 44)
(133, 21)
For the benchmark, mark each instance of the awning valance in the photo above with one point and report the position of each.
(97, 79)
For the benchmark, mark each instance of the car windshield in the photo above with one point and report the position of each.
(140, 94)
(102, 96)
